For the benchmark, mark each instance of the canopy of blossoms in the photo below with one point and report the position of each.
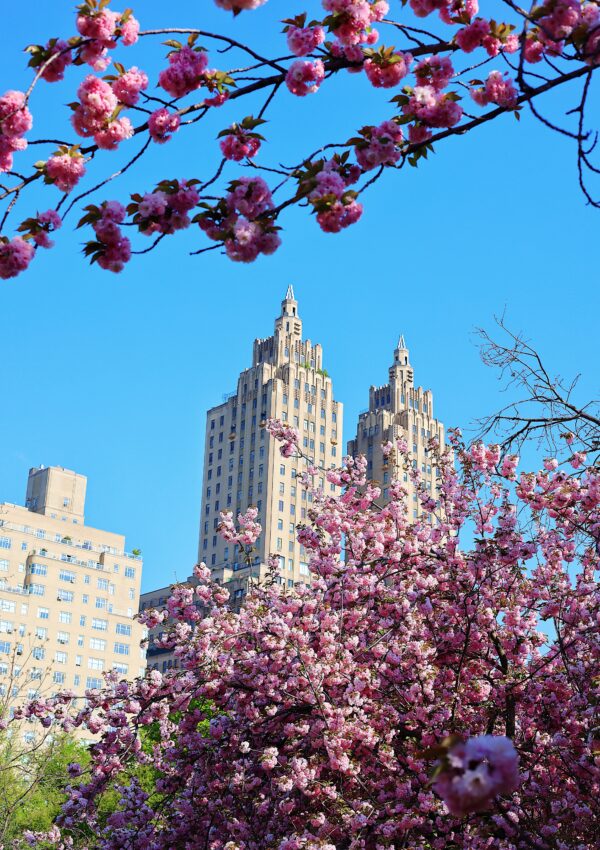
(449, 67)
(434, 686)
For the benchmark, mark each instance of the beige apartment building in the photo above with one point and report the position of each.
(68, 594)
(398, 410)
(243, 465)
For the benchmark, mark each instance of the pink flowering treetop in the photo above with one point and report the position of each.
(434, 685)
(423, 52)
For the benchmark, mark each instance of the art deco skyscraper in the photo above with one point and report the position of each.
(397, 410)
(242, 462)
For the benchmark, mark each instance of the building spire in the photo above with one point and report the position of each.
(289, 295)
(401, 342)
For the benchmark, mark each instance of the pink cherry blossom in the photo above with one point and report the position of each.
(386, 73)
(185, 72)
(381, 145)
(239, 5)
(304, 77)
(127, 86)
(303, 40)
(162, 124)
(62, 53)
(15, 256)
(475, 772)
(239, 144)
(498, 90)
(15, 121)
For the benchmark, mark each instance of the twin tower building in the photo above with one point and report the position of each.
(69, 592)
(243, 465)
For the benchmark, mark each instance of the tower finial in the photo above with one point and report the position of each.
(289, 295)
(401, 342)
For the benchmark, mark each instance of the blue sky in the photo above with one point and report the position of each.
(111, 375)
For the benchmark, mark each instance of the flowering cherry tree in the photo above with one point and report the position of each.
(449, 68)
(435, 685)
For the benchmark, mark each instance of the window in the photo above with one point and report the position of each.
(43, 613)
(5, 646)
(122, 648)
(58, 678)
(82, 620)
(93, 683)
(65, 595)
(99, 625)
(38, 569)
(102, 583)
(60, 657)
(101, 602)
(130, 571)
(121, 668)
(95, 663)
(41, 632)
(37, 589)
(4, 565)
(8, 605)
(62, 637)
(38, 652)
(67, 575)
(98, 643)
(6, 543)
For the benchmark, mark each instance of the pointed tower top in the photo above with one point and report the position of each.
(289, 295)
(401, 342)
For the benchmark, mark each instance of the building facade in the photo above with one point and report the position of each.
(68, 594)
(397, 410)
(243, 465)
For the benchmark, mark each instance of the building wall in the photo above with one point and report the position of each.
(68, 594)
(398, 410)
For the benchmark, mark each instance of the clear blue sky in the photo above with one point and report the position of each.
(111, 375)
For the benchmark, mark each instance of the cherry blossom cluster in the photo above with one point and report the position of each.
(304, 77)
(237, 6)
(162, 124)
(288, 437)
(15, 256)
(51, 60)
(378, 145)
(101, 27)
(96, 114)
(128, 85)
(241, 220)
(185, 72)
(498, 89)
(351, 21)
(325, 183)
(422, 688)
(430, 107)
(240, 140)
(302, 39)
(111, 250)
(64, 168)
(15, 121)
(165, 210)
(249, 528)
(385, 68)
(38, 229)
(475, 771)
